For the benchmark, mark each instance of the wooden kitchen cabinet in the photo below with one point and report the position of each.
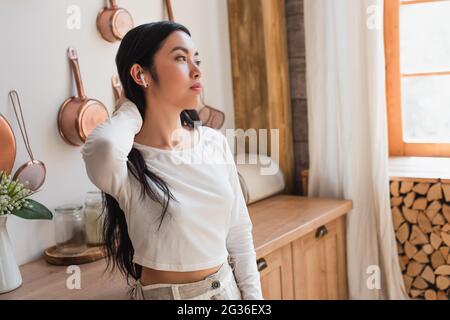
(303, 256)
(297, 259)
(319, 263)
(311, 267)
(276, 274)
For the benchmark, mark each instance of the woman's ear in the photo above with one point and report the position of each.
(139, 75)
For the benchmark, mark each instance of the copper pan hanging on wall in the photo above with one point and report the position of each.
(211, 117)
(7, 146)
(79, 115)
(114, 22)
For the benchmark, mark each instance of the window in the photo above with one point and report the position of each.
(417, 42)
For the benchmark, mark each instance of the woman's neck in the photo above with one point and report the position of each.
(161, 127)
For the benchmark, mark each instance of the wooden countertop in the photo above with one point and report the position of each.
(284, 218)
(277, 221)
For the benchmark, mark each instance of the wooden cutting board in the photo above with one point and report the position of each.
(92, 253)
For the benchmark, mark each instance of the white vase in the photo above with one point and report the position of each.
(10, 277)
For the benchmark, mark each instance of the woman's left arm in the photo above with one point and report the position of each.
(239, 239)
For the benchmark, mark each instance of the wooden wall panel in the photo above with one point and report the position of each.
(261, 74)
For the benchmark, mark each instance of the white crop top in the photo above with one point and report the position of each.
(209, 220)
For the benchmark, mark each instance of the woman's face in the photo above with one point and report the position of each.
(177, 66)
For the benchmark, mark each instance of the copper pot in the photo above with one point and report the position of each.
(114, 22)
(79, 115)
(7, 146)
(211, 117)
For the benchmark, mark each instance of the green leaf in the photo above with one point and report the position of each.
(38, 211)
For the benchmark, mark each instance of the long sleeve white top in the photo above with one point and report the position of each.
(209, 220)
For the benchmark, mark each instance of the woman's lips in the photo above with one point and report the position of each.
(197, 88)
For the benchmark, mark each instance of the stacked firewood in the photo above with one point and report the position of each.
(421, 217)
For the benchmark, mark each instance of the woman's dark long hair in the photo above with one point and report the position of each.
(138, 46)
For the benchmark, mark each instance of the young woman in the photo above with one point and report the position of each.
(176, 219)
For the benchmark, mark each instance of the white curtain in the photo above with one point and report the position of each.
(348, 135)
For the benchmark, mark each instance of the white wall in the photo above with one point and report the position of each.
(34, 39)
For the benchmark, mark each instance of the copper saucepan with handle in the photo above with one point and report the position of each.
(7, 146)
(211, 117)
(79, 115)
(114, 22)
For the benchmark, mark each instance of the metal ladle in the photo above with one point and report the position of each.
(32, 173)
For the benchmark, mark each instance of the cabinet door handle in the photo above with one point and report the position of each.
(262, 264)
(321, 232)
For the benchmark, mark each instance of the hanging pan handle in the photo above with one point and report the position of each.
(73, 59)
(14, 97)
(113, 4)
(169, 10)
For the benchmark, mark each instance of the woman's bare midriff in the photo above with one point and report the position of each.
(152, 276)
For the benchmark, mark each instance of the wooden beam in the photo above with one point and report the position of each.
(260, 72)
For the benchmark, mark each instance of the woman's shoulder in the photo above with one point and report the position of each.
(211, 134)
(214, 139)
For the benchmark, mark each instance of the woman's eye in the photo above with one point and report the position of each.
(183, 58)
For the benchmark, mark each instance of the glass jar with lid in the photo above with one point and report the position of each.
(70, 231)
(94, 217)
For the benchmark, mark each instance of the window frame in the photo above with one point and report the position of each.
(398, 147)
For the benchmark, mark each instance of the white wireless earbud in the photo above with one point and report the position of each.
(143, 80)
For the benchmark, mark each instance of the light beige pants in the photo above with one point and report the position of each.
(218, 286)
